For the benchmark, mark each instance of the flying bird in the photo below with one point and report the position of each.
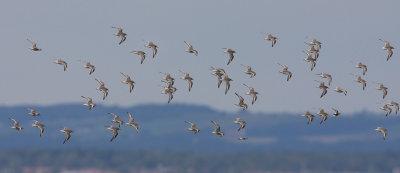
(323, 87)
(308, 115)
(336, 112)
(67, 132)
(271, 38)
(340, 90)
(115, 131)
(395, 104)
(89, 66)
(241, 123)
(121, 34)
(190, 49)
(219, 72)
(38, 125)
(89, 102)
(241, 102)
(16, 125)
(324, 115)
(230, 52)
(227, 81)
(193, 127)
(386, 108)
(217, 130)
(310, 59)
(383, 131)
(141, 54)
(387, 47)
(128, 81)
(249, 71)
(151, 45)
(362, 66)
(285, 71)
(32, 112)
(102, 88)
(187, 78)
(383, 89)
(252, 93)
(61, 62)
(116, 119)
(326, 76)
(362, 81)
(34, 46)
(132, 122)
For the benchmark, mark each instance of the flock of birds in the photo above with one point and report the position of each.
(312, 55)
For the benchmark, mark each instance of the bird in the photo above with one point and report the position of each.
(362, 66)
(16, 125)
(362, 81)
(310, 59)
(383, 88)
(115, 131)
(188, 79)
(315, 42)
(230, 52)
(383, 131)
(168, 91)
(151, 45)
(336, 112)
(227, 81)
(217, 130)
(168, 78)
(241, 123)
(285, 71)
(102, 88)
(128, 81)
(219, 72)
(132, 122)
(34, 46)
(38, 125)
(121, 34)
(141, 53)
(327, 76)
(61, 62)
(241, 102)
(387, 47)
(249, 71)
(324, 115)
(193, 127)
(308, 115)
(252, 93)
(32, 112)
(67, 132)
(340, 90)
(271, 38)
(386, 108)
(395, 104)
(323, 87)
(242, 138)
(190, 49)
(116, 119)
(89, 66)
(89, 102)
(313, 51)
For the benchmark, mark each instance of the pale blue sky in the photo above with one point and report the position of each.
(81, 30)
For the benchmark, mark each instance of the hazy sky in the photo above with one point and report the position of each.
(81, 30)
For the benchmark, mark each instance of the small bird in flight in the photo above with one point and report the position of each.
(383, 131)
(38, 125)
(128, 81)
(141, 54)
(34, 46)
(67, 132)
(121, 34)
(217, 130)
(132, 122)
(16, 125)
(61, 62)
(151, 45)
(230, 52)
(190, 49)
(193, 127)
(271, 38)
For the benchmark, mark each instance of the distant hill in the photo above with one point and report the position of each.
(162, 127)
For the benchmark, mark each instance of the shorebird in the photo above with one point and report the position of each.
(249, 71)
(115, 131)
(132, 122)
(227, 81)
(285, 71)
(241, 123)
(102, 88)
(313, 51)
(187, 78)
(241, 102)
(242, 138)
(190, 49)
(386, 108)
(154, 47)
(322, 113)
(38, 125)
(336, 112)
(362, 66)
(327, 76)
(315, 42)
(362, 81)
(219, 72)
(323, 87)
(34, 46)
(141, 53)
(217, 130)
(193, 127)
(340, 90)
(308, 115)
(33, 113)
(89, 66)
(168, 91)
(230, 52)
(271, 38)
(383, 88)
(383, 131)
(310, 59)
(61, 62)
(121, 34)
(16, 125)
(387, 47)
(168, 78)
(252, 93)
(116, 119)
(395, 105)
(89, 102)
(128, 81)
(67, 132)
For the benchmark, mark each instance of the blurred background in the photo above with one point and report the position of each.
(279, 139)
